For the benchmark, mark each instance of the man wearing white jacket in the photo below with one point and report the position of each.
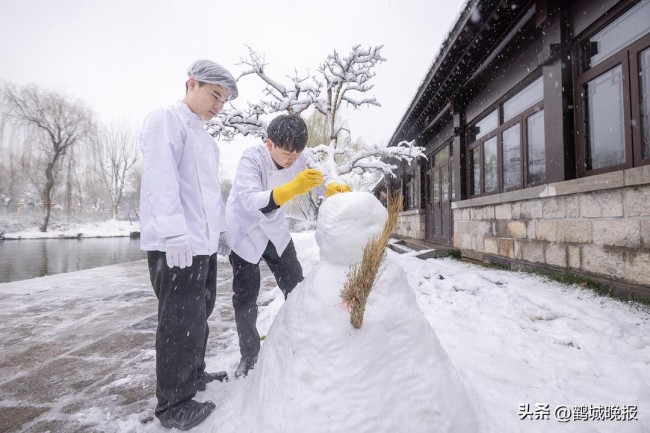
(268, 176)
(182, 224)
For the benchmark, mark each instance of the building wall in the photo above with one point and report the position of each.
(410, 225)
(597, 226)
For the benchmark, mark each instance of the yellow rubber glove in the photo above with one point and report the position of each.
(335, 188)
(302, 183)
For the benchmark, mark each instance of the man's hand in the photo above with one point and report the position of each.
(302, 183)
(224, 244)
(178, 250)
(335, 188)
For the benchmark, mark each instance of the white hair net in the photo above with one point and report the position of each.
(210, 72)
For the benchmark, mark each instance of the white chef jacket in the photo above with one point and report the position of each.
(250, 229)
(180, 191)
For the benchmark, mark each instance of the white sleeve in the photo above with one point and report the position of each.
(162, 143)
(248, 180)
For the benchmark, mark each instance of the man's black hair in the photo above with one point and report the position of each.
(201, 84)
(288, 132)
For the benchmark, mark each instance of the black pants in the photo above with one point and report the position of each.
(186, 299)
(246, 287)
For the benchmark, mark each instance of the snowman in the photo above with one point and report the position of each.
(317, 373)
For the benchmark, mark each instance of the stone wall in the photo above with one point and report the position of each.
(597, 226)
(410, 225)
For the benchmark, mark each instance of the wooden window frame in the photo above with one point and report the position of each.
(628, 58)
(522, 119)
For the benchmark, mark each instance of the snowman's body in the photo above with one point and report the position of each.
(316, 373)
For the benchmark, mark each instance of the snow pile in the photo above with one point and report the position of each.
(316, 373)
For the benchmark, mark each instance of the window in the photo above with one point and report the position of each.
(413, 189)
(629, 27)
(488, 124)
(444, 182)
(491, 166)
(531, 95)
(512, 157)
(475, 171)
(536, 158)
(612, 89)
(483, 164)
(603, 122)
(436, 186)
(441, 168)
(507, 148)
(644, 76)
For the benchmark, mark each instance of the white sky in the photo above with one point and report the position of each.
(125, 58)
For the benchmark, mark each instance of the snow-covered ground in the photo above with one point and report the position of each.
(536, 355)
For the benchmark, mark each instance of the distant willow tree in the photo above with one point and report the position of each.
(10, 172)
(115, 153)
(317, 128)
(56, 122)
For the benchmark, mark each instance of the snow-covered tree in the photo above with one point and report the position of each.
(339, 81)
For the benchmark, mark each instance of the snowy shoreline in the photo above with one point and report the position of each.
(102, 229)
(21, 237)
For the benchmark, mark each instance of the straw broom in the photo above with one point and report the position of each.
(361, 277)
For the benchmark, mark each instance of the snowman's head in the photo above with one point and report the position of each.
(346, 222)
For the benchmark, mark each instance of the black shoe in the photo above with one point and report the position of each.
(185, 415)
(206, 378)
(245, 365)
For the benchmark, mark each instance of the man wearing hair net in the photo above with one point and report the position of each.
(268, 176)
(183, 229)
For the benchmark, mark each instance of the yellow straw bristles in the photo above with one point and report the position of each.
(361, 277)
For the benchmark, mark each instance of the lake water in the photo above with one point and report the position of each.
(30, 258)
